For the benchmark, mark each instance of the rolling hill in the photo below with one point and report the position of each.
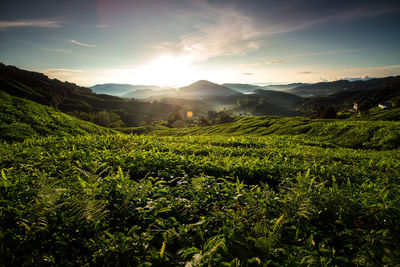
(22, 119)
(267, 102)
(386, 89)
(273, 190)
(355, 134)
(71, 98)
(329, 88)
(284, 87)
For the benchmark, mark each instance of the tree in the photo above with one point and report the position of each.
(212, 116)
(223, 117)
(173, 117)
(108, 119)
(246, 102)
(364, 106)
(324, 112)
(201, 121)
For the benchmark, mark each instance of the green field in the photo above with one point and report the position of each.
(215, 199)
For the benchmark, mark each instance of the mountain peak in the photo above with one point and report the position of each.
(203, 82)
(204, 88)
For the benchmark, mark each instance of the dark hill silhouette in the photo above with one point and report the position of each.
(329, 88)
(204, 89)
(242, 87)
(69, 97)
(284, 87)
(372, 91)
(124, 90)
(267, 102)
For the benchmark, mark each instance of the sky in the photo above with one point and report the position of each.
(177, 42)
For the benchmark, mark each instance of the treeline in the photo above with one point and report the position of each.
(178, 119)
(214, 117)
(104, 118)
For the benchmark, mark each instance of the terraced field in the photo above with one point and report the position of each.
(197, 200)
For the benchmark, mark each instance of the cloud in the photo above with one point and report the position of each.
(83, 44)
(294, 15)
(41, 23)
(219, 32)
(247, 73)
(238, 29)
(262, 63)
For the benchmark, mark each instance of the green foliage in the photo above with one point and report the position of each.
(378, 114)
(376, 135)
(174, 116)
(197, 201)
(324, 112)
(104, 118)
(214, 117)
(69, 97)
(201, 121)
(21, 119)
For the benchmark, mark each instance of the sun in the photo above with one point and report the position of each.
(167, 70)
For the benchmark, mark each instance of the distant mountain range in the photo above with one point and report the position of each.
(123, 89)
(150, 93)
(284, 87)
(200, 97)
(206, 89)
(199, 89)
(330, 88)
(71, 98)
(242, 87)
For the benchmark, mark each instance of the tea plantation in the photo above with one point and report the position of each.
(208, 196)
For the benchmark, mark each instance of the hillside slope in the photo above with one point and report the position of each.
(69, 97)
(275, 103)
(344, 100)
(21, 119)
(378, 135)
